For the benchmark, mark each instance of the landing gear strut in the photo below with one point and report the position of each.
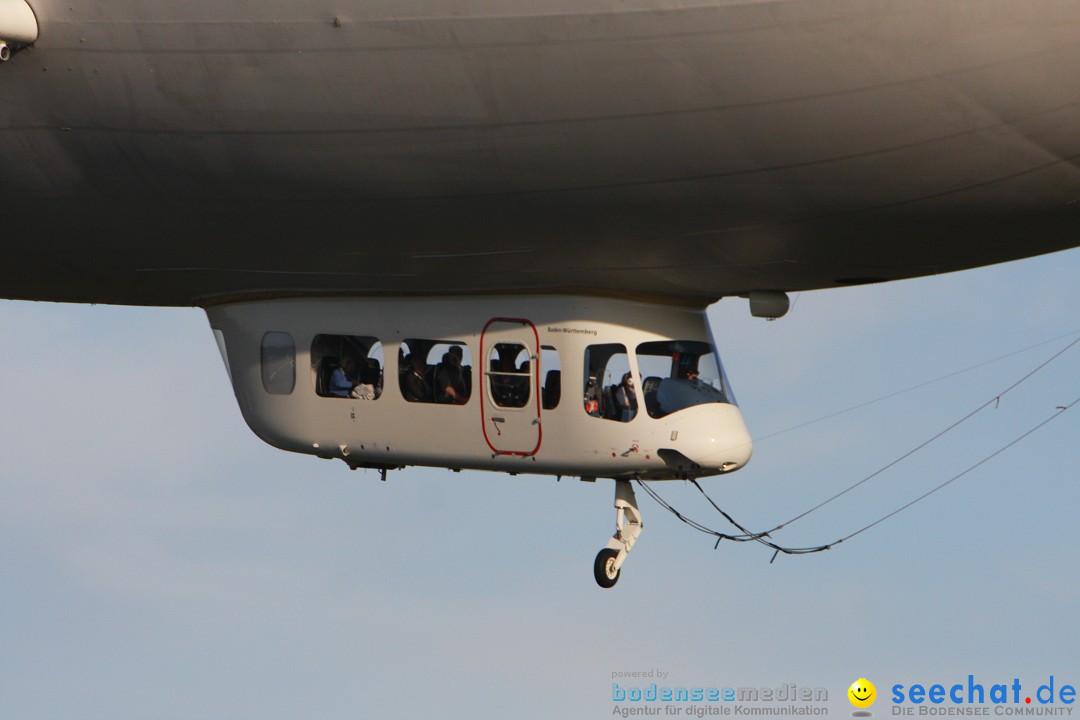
(628, 526)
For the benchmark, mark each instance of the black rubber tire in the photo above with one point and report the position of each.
(601, 568)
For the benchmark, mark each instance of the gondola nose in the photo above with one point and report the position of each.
(714, 438)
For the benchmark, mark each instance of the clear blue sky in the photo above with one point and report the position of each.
(158, 560)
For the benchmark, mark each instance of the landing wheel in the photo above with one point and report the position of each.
(609, 561)
(604, 568)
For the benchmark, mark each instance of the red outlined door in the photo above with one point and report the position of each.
(510, 393)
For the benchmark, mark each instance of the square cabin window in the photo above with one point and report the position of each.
(435, 371)
(347, 366)
(508, 377)
(609, 385)
(278, 362)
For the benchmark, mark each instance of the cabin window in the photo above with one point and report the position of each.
(435, 371)
(680, 374)
(551, 377)
(278, 362)
(609, 384)
(347, 366)
(508, 376)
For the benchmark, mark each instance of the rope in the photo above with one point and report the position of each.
(914, 387)
(764, 538)
(992, 401)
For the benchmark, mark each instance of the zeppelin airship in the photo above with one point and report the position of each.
(483, 233)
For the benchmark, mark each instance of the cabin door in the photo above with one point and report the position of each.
(510, 396)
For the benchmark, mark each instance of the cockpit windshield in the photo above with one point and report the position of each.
(678, 374)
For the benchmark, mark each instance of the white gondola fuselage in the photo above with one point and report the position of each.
(563, 385)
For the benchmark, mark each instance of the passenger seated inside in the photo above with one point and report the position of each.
(592, 400)
(509, 383)
(609, 363)
(626, 398)
(414, 384)
(343, 378)
(450, 383)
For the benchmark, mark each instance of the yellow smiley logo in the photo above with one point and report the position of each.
(862, 693)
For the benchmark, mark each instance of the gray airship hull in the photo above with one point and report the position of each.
(187, 153)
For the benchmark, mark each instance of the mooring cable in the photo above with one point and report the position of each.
(764, 538)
